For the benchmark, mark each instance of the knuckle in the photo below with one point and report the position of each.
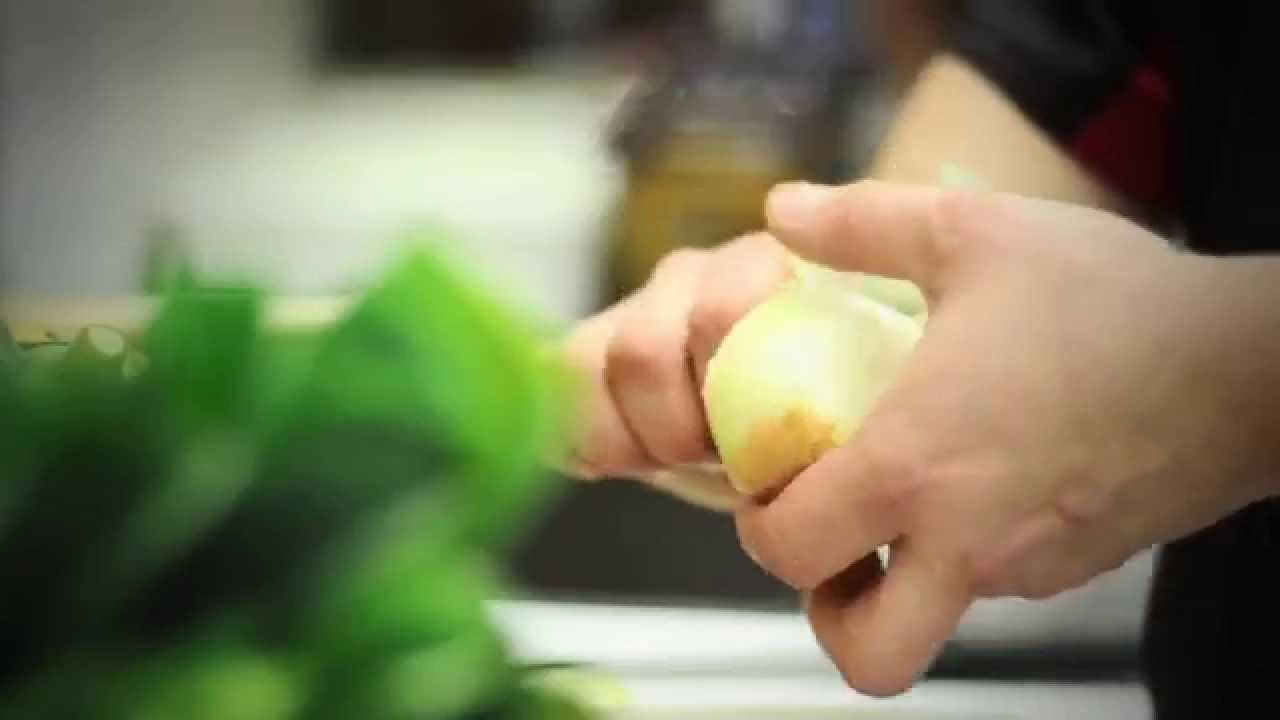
(895, 462)
(1081, 505)
(955, 216)
(606, 454)
(635, 351)
(674, 447)
(893, 491)
(955, 211)
(679, 260)
(709, 322)
(765, 255)
(739, 276)
(646, 372)
(756, 243)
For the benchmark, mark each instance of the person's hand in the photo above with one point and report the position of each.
(642, 361)
(1072, 402)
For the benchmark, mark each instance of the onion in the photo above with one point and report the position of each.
(797, 374)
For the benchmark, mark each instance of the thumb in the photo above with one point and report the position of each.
(869, 226)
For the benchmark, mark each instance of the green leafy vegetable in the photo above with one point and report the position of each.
(214, 519)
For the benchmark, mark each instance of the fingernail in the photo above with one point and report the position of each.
(793, 205)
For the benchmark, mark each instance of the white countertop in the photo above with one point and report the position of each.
(825, 696)
(696, 663)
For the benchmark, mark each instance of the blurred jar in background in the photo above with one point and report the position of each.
(760, 94)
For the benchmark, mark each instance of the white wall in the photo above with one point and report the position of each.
(101, 101)
(119, 114)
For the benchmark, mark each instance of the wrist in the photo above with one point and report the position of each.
(1236, 344)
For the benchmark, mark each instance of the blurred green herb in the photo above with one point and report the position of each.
(167, 265)
(218, 520)
(10, 353)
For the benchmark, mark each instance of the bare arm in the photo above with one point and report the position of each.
(953, 116)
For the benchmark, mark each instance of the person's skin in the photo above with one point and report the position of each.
(1083, 391)
(954, 116)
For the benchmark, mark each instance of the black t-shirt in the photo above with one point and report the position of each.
(1170, 103)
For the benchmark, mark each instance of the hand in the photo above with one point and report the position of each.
(643, 362)
(1072, 402)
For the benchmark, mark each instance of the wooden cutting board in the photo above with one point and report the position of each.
(33, 318)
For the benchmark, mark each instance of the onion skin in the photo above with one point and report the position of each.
(901, 295)
(796, 375)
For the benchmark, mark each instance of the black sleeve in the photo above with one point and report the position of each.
(1057, 60)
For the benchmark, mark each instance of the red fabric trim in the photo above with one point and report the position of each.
(1128, 145)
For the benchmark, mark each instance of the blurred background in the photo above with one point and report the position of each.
(567, 144)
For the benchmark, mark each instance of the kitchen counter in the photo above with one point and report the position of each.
(671, 663)
(826, 697)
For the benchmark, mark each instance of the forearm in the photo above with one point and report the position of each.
(954, 117)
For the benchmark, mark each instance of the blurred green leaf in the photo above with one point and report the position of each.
(200, 351)
(430, 353)
(166, 264)
(215, 681)
(228, 521)
(400, 623)
(10, 353)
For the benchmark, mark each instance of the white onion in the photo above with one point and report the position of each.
(796, 375)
